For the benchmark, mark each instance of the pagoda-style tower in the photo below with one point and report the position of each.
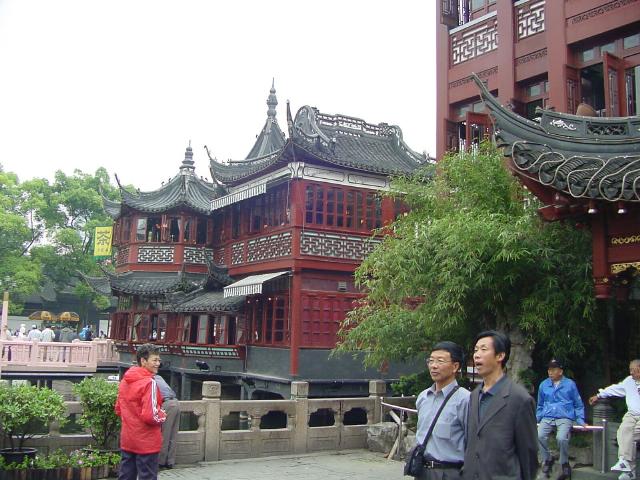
(247, 279)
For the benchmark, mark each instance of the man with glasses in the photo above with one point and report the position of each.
(138, 405)
(444, 452)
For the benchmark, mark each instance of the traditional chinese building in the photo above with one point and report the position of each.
(552, 54)
(246, 279)
(582, 167)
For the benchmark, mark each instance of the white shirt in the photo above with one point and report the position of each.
(47, 335)
(628, 389)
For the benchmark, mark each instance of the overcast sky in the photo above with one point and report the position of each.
(125, 84)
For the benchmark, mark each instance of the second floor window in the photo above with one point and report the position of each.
(342, 208)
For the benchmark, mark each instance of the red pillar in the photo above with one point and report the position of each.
(506, 51)
(442, 79)
(557, 55)
(599, 251)
(295, 320)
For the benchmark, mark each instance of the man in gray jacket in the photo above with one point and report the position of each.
(502, 437)
(170, 404)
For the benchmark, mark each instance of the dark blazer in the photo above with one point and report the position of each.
(504, 445)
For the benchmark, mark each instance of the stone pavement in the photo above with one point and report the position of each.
(345, 465)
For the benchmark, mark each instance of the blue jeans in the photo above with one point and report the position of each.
(563, 434)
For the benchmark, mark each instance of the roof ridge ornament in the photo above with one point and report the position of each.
(188, 164)
(272, 101)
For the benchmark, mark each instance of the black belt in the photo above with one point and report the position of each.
(437, 464)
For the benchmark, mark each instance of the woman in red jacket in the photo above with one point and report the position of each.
(139, 406)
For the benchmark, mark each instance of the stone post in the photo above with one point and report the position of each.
(604, 455)
(300, 394)
(211, 398)
(185, 387)
(377, 390)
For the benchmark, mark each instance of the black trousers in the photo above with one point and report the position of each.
(137, 466)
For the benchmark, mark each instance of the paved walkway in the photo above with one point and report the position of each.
(346, 465)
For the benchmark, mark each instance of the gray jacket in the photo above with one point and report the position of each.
(504, 445)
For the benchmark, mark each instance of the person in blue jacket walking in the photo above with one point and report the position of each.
(559, 407)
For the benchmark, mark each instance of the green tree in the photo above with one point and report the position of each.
(48, 229)
(471, 254)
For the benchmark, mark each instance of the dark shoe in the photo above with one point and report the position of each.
(566, 472)
(547, 466)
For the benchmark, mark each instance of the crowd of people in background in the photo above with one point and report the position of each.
(50, 333)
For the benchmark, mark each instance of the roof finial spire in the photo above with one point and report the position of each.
(272, 101)
(187, 163)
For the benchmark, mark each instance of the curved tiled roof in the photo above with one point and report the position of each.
(208, 301)
(185, 189)
(147, 283)
(337, 139)
(354, 143)
(583, 157)
(271, 138)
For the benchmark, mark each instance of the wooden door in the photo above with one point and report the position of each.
(478, 128)
(573, 89)
(614, 87)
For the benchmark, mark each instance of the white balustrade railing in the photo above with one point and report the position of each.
(78, 356)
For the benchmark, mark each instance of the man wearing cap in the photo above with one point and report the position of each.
(559, 407)
(629, 429)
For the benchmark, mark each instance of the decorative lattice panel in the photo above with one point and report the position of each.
(336, 246)
(272, 246)
(149, 254)
(610, 129)
(530, 19)
(122, 256)
(218, 256)
(474, 42)
(197, 255)
(237, 253)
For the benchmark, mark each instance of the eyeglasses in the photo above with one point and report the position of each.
(437, 361)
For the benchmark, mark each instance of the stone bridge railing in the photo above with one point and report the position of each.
(341, 424)
(28, 356)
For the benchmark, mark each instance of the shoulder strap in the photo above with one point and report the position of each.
(435, 419)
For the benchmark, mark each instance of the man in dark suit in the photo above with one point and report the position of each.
(502, 437)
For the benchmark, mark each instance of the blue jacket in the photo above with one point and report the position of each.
(562, 401)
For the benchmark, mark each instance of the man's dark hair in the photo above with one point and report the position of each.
(455, 350)
(145, 351)
(501, 343)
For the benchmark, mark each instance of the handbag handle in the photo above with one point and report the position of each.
(435, 419)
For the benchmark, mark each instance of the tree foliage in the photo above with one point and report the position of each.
(47, 229)
(472, 253)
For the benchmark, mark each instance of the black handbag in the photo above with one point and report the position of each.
(414, 465)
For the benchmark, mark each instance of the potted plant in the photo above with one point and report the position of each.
(23, 410)
(98, 399)
(58, 465)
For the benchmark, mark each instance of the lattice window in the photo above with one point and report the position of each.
(530, 19)
(612, 129)
(474, 42)
(342, 208)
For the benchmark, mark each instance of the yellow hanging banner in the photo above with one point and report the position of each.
(102, 242)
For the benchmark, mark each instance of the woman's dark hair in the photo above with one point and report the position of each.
(501, 343)
(146, 350)
(455, 350)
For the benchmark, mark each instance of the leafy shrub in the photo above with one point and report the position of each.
(98, 399)
(23, 408)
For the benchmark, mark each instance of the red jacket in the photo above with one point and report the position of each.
(138, 405)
